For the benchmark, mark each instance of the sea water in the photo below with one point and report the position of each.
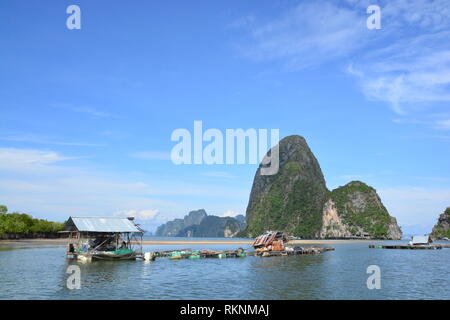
(40, 272)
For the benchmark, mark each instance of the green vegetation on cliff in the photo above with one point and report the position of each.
(442, 227)
(24, 223)
(292, 200)
(212, 227)
(360, 208)
(297, 201)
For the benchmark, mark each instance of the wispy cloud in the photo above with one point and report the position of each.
(407, 73)
(151, 155)
(306, 35)
(36, 139)
(219, 174)
(405, 64)
(94, 112)
(356, 176)
(409, 68)
(17, 157)
(443, 124)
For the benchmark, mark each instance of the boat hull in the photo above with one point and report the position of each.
(106, 256)
(114, 257)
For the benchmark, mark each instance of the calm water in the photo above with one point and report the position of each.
(39, 273)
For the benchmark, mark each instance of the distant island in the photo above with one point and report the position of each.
(198, 223)
(297, 201)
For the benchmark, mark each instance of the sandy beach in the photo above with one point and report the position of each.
(181, 242)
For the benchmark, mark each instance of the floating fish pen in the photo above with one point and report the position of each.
(238, 253)
(293, 251)
(270, 244)
(103, 238)
(196, 254)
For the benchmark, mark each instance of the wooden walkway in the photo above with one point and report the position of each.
(410, 247)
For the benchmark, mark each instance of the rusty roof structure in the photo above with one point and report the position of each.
(271, 240)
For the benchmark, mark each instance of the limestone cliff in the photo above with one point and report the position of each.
(356, 211)
(172, 228)
(442, 227)
(199, 224)
(296, 201)
(291, 200)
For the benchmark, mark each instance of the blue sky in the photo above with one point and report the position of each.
(87, 115)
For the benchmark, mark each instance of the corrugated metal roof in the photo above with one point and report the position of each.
(102, 224)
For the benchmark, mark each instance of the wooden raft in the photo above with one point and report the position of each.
(238, 253)
(295, 251)
(409, 247)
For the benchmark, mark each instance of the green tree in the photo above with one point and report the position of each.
(24, 223)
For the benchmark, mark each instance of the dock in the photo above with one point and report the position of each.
(409, 247)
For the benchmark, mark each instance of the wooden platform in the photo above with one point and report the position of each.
(409, 247)
(300, 251)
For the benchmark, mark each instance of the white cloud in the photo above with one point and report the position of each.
(17, 157)
(407, 74)
(229, 213)
(405, 64)
(409, 68)
(148, 214)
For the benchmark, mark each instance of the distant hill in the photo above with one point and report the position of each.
(297, 201)
(172, 228)
(199, 224)
(442, 227)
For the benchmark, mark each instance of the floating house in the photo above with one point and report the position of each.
(420, 240)
(270, 241)
(104, 238)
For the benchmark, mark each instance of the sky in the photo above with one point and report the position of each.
(87, 114)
